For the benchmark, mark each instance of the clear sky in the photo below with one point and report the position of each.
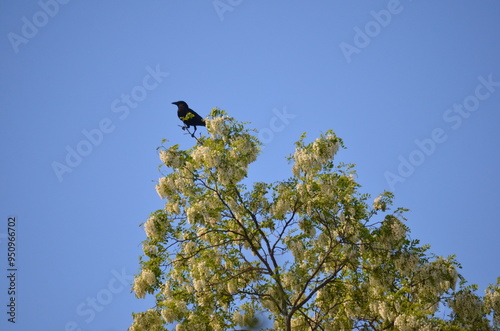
(412, 87)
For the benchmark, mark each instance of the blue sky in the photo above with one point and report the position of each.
(412, 87)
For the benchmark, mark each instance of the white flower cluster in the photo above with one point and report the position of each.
(312, 158)
(292, 282)
(467, 305)
(161, 187)
(296, 247)
(304, 162)
(181, 327)
(406, 264)
(149, 249)
(174, 184)
(175, 310)
(431, 280)
(281, 207)
(216, 125)
(232, 286)
(384, 309)
(329, 188)
(168, 315)
(244, 316)
(407, 323)
(203, 155)
(398, 230)
(204, 211)
(167, 289)
(172, 207)
(200, 274)
(242, 152)
(393, 232)
(171, 158)
(231, 174)
(149, 320)
(492, 302)
(243, 149)
(189, 247)
(269, 304)
(151, 228)
(326, 147)
(378, 204)
(143, 282)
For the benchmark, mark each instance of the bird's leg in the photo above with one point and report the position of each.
(187, 129)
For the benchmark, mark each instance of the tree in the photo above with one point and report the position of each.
(310, 252)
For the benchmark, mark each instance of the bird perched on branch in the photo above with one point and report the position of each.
(188, 116)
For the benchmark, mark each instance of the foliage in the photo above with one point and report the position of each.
(311, 252)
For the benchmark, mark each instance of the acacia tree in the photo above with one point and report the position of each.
(310, 251)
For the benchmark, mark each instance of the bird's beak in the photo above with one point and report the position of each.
(174, 103)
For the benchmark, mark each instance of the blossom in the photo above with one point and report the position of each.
(200, 153)
(149, 277)
(167, 290)
(407, 322)
(398, 230)
(467, 305)
(232, 286)
(281, 208)
(378, 204)
(325, 148)
(216, 125)
(492, 301)
(150, 249)
(143, 283)
(312, 158)
(171, 158)
(168, 315)
(152, 228)
(160, 187)
(304, 162)
(172, 207)
(189, 247)
(149, 320)
(180, 327)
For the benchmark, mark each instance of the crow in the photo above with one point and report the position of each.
(188, 116)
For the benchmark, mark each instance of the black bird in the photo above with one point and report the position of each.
(188, 116)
